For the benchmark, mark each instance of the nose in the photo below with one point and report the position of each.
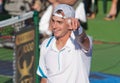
(54, 25)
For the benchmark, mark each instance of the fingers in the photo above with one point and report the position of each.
(73, 23)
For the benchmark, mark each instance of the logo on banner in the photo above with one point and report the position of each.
(25, 57)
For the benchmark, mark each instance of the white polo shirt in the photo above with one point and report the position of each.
(65, 65)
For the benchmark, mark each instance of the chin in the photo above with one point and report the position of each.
(56, 36)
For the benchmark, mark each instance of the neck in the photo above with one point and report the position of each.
(60, 42)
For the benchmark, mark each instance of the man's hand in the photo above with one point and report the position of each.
(73, 23)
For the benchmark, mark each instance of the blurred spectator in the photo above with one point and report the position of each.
(113, 11)
(80, 13)
(45, 20)
(91, 7)
(17, 7)
(1, 6)
(37, 5)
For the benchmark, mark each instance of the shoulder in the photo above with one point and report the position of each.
(47, 42)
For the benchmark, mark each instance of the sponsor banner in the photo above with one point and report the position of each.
(24, 56)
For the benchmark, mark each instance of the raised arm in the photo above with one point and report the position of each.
(80, 34)
(83, 39)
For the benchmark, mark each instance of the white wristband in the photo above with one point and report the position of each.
(80, 30)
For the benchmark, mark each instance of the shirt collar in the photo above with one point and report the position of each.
(69, 44)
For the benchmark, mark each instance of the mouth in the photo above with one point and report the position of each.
(55, 31)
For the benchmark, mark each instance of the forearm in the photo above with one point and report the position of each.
(83, 39)
(80, 35)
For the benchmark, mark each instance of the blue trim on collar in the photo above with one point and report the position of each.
(49, 41)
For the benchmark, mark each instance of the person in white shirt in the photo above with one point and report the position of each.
(65, 57)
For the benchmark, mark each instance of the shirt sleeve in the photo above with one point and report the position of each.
(41, 70)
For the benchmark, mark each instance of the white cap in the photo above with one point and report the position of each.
(67, 10)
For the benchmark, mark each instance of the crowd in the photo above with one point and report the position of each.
(90, 7)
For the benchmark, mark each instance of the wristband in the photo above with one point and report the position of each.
(80, 30)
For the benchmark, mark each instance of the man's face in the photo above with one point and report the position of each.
(59, 26)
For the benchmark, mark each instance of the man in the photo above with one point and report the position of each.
(65, 57)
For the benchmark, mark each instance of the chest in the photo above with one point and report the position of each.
(56, 61)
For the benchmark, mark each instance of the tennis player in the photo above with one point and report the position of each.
(66, 56)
